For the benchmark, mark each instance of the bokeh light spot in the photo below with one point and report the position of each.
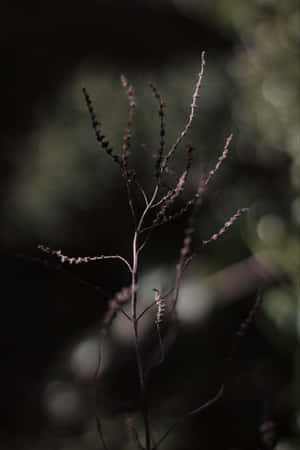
(271, 229)
(194, 303)
(84, 358)
(62, 401)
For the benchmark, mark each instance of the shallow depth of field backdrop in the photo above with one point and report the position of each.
(61, 190)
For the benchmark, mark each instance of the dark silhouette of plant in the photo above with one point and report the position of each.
(159, 208)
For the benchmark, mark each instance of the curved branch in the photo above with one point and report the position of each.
(189, 414)
(82, 259)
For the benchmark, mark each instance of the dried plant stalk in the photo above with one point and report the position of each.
(225, 227)
(144, 224)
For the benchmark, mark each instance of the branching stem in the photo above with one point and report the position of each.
(134, 318)
(189, 414)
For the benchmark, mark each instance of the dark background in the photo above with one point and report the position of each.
(58, 189)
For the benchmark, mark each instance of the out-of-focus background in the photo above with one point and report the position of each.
(61, 190)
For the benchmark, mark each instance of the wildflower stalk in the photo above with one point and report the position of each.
(156, 212)
(135, 321)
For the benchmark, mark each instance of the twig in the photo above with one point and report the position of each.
(142, 191)
(127, 133)
(128, 175)
(133, 433)
(161, 307)
(220, 160)
(146, 310)
(135, 258)
(197, 197)
(214, 237)
(189, 414)
(161, 112)
(191, 116)
(98, 420)
(82, 259)
(185, 256)
(97, 128)
(245, 325)
(168, 200)
(115, 305)
(100, 433)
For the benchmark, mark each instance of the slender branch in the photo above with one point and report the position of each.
(161, 112)
(220, 159)
(191, 116)
(114, 306)
(142, 192)
(196, 199)
(133, 433)
(239, 334)
(140, 230)
(162, 218)
(97, 128)
(98, 367)
(136, 339)
(226, 226)
(125, 314)
(135, 258)
(161, 346)
(186, 249)
(145, 310)
(127, 134)
(170, 197)
(98, 420)
(245, 325)
(189, 414)
(128, 174)
(130, 199)
(164, 296)
(143, 244)
(100, 433)
(167, 200)
(161, 307)
(163, 199)
(82, 259)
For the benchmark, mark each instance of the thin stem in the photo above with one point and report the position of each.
(145, 310)
(121, 259)
(136, 341)
(125, 314)
(135, 257)
(82, 259)
(142, 191)
(244, 326)
(97, 128)
(214, 237)
(162, 200)
(133, 432)
(161, 346)
(144, 243)
(140, 225)
(149, 206)
(191, 116)
(98, 420)
(130, 201)
(189, 414)
(100, 433)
